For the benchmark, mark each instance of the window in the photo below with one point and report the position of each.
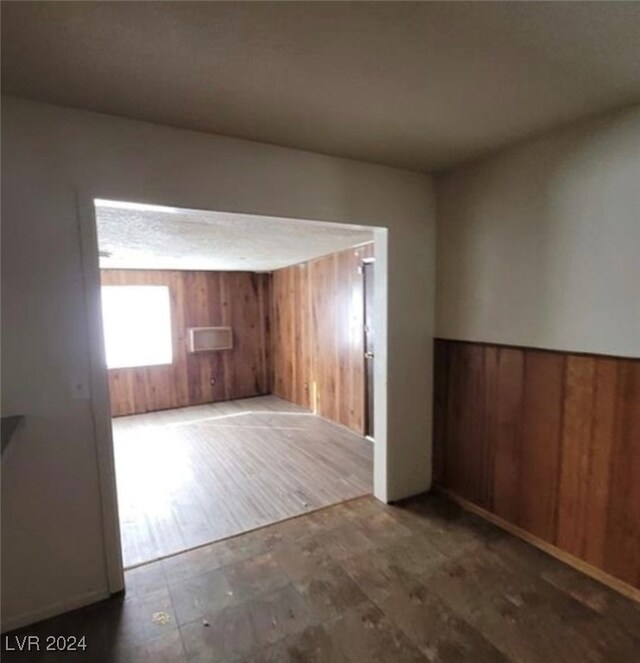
(137, 325)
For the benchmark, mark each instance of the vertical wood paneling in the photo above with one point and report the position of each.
(324, 329)
(203, 308)
(180, 359)
(248, 377)
(465, 422)
(318, 337)
(540, 442)
(603, 435)
(139, 386)
(559, 451)
(204, 299)
(576, 439)
(290, 340)
(349, 278)
(491, 356)
(264, 303)
(506, 449)
(622, 555)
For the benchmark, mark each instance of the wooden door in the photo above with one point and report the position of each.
(369, 344)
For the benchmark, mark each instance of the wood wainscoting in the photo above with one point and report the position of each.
(548, 442)
(318, 336)
(240, 300)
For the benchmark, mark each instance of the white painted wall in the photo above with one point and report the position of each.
(539, 245)
(52, 543)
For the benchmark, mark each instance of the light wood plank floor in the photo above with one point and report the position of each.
(195, 475)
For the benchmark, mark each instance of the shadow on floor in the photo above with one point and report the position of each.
(358, 581)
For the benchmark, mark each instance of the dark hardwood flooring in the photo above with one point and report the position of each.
(358, 581)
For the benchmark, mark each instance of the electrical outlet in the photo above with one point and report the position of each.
(212, 381)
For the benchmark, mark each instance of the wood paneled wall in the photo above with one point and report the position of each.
(240, 300)
(290, 334)
(547, 441)
(318, 351)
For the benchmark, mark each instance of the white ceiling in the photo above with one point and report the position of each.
(149, 237)
(421, 85)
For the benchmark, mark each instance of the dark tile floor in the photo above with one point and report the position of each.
(359, 581)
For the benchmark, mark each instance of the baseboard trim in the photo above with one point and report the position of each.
(29, 618)
(580, 565)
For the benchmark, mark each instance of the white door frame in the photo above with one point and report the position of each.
(99, 384)
(99, 389)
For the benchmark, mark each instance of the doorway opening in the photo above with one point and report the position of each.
(238, 352)
(368, 276)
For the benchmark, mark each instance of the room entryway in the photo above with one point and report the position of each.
(368, 270)
(239, 354)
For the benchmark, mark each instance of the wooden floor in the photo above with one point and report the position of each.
(357, 582)
(196, 475)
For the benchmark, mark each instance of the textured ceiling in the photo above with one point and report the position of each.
(170, 238)
(418, 85)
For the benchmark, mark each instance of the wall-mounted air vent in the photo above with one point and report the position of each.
(205, 339)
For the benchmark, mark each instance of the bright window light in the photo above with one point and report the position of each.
(137, 325)
(136, 207)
